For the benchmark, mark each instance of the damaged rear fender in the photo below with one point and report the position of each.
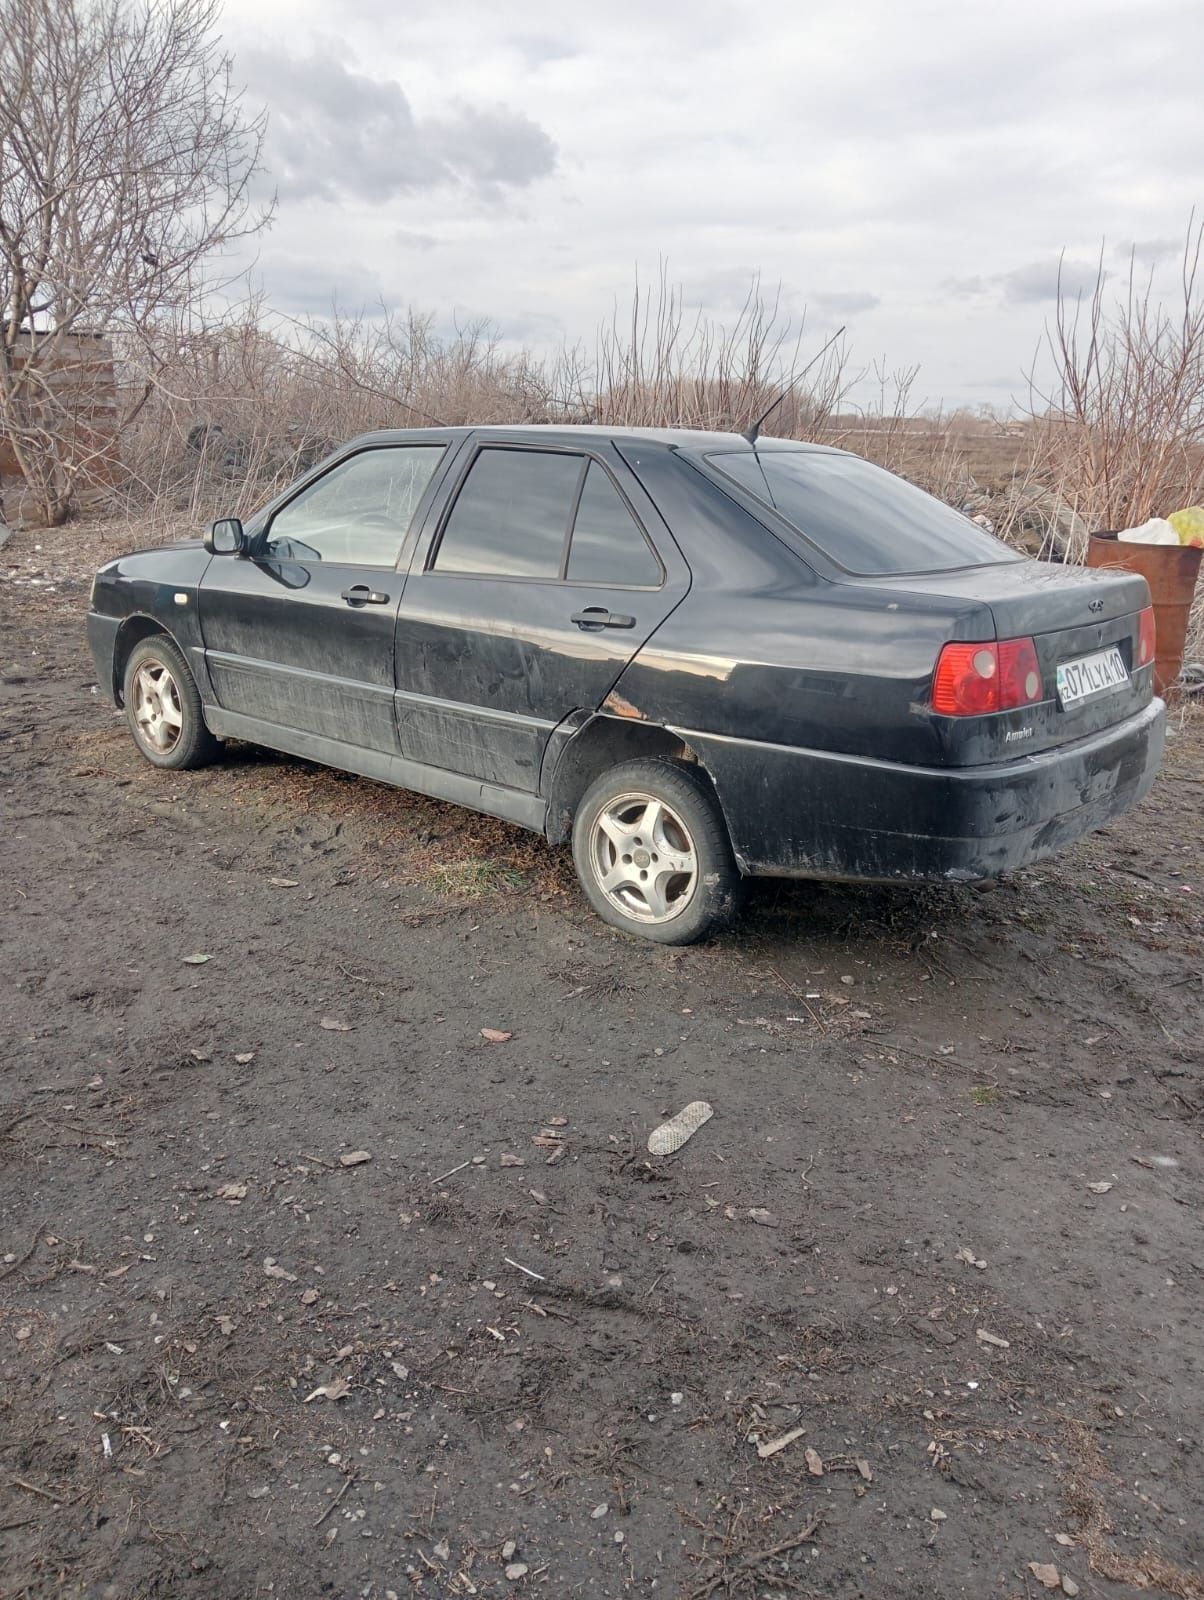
(578, 754)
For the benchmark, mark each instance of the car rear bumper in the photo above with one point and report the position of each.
(812, 814)
(102, 641)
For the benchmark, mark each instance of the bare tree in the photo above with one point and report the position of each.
(126, 162)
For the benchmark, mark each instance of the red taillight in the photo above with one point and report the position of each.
(1019, 673)
(967, 680)
(1147, 638)
(975, 680)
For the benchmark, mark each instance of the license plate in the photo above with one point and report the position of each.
(1101, 673)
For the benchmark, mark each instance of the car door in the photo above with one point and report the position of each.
(536, 585)
(299, 633)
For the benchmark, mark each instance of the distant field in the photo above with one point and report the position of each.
(989, 453)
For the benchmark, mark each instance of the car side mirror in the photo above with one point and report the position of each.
(226, 538)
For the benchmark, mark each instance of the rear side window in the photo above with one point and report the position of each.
(511, 518)
(608, 546)
(513, 515)
(866, 519)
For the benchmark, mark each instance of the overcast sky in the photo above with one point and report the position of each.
(913, 169)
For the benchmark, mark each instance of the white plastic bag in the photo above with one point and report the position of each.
(1156, 531)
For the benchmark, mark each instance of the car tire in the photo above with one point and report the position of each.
(163, 708)
(634, 825)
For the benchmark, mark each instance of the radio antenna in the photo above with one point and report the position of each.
(753, 433)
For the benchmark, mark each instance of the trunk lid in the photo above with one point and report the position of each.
(1031, 597)
(1069, 613)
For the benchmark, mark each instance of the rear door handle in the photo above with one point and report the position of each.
(600, 617)
(359, 594)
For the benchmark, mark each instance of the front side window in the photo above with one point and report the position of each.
(358, 513)
(511, 518)
(868, 521)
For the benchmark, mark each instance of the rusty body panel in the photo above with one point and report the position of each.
(802, 690)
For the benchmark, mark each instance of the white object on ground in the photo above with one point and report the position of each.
(1156, 531)
(671, 1135)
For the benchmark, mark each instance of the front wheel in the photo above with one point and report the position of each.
(163, 708)
(652, 853)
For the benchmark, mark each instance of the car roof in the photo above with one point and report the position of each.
(699, 439)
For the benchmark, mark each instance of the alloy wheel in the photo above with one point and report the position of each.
(157, 708)
(643, 858)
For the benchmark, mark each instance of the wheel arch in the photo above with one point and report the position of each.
(130, 634)
(603, 742)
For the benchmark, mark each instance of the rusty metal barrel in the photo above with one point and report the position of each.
(1171, 572)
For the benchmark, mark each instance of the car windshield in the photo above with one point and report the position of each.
(866, 519)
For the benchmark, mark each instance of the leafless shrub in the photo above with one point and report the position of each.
(663, 365)
(243, 404)
(413, 377)
(237, 406)
(1120, 432)
(125, 163)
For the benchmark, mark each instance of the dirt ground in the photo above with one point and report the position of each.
(942, 1233)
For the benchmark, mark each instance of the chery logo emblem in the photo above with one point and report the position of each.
(1096, 605)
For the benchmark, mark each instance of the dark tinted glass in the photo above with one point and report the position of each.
(358, 513)
(607, 545)
(511, 518)
(865, 518)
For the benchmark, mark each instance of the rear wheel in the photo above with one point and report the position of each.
(652, 853)
(163, 708)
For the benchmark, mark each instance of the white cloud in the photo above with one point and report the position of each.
(1046, 280)
(916, 170)
(844, 302)
(309, 286)
(335, 133)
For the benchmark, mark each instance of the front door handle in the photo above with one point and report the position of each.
(600, 617)
(359, 594)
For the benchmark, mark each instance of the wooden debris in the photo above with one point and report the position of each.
(772, 1446)
(992, 1339)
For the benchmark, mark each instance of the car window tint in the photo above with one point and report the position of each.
(607, 545)
(868, 520)
(359, 512)
(511, 517)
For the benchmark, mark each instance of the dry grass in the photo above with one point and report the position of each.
(1086, 1504)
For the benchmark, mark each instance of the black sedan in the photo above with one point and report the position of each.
(700, 657)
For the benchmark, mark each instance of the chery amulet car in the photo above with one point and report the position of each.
(700, 658)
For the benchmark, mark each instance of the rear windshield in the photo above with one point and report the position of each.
(868, 521)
